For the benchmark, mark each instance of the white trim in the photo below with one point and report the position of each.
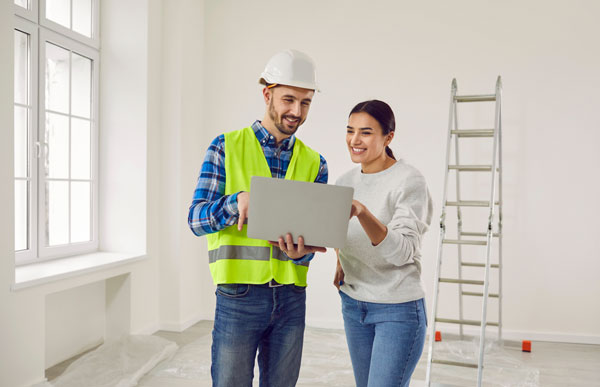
(519, 335)
(44, 272)
(32, 105)
(30, 14)
(93, 42)
(44, 252)
(177, 326)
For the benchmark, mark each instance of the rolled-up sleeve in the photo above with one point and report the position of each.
(411, 219)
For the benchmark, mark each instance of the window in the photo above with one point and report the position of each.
(56, 110)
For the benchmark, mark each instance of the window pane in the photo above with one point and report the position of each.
(21, 152)
(57, 78)
(21, 67)
(82, 17)
(21, 214)
(80, 211)
(81, 77)
(57, 212)
(57, 138)
(59, 11)
(80, 149)
(22, 3)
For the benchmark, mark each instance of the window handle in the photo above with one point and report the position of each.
(38, 149)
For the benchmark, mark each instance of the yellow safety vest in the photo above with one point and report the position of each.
(235, 258)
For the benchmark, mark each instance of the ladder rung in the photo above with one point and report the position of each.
(478, 294)
(471, 168)
(464, 322)
(461, 281)
(478, 234)
(475, 98)
(476, 264)
(469, 203)
(474, 133)
(454, 363)
(463, 242)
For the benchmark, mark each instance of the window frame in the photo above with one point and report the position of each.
(49, 252)
(32, 21)
(31, 29)
(94, 41)
(30, 13)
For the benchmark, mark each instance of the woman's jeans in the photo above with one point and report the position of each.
(251, 318)
(385, 340)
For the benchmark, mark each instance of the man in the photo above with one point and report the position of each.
(261, 299)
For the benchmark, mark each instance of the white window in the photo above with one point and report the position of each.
(56, 139)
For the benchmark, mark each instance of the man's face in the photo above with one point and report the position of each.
(288, 107)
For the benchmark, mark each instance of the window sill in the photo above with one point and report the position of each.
(44, 272)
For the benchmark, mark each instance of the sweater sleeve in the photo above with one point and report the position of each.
(412, 217)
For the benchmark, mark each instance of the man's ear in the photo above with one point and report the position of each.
(267, 94)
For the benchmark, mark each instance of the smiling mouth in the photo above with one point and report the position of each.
(357, 151)
(291, 121)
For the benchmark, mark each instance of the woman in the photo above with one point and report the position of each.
(378, 271)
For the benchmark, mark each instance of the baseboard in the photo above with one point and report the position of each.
(149, 329)
(516, 335)
(180, 326)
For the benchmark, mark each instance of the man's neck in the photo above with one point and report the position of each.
(272, 129)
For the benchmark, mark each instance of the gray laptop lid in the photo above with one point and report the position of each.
(318, 212)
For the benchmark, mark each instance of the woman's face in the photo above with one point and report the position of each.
(365, 139)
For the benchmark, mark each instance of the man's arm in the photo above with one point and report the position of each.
(211, 209)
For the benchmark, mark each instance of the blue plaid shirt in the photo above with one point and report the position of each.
(211, 209)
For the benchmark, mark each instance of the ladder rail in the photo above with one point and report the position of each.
(459, 219)
(441, 237)
(489, 239)
(499, 129)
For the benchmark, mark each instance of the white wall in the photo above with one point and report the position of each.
(406, 53)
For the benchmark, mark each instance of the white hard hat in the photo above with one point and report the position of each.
(292, 68)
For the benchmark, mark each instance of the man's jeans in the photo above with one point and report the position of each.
(256, 317)
(385, 340)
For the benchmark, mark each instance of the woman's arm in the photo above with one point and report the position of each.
(376, 231)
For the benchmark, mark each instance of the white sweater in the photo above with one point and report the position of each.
(391, 271)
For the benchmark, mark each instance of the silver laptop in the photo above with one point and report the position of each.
(317, 212)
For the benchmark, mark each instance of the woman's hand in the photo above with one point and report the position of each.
(338, 278)
(357, 208)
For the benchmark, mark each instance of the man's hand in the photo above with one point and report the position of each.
(243, 199)
(296, 251)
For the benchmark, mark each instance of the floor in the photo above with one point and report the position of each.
(326, 362)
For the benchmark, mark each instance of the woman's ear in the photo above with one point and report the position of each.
(389, 138)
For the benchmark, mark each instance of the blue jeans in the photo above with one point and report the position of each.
(385, 340)
(251, 318)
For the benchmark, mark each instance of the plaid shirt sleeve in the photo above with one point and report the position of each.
(211, 209)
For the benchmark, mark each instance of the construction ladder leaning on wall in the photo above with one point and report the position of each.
(495, 202)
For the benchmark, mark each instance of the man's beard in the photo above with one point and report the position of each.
(278, 121)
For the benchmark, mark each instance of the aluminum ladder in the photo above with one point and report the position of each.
(473, 238)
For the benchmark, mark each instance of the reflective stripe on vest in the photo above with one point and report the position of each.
(255, 253)
(235, 258)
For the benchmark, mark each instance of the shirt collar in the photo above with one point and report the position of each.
(264, 137)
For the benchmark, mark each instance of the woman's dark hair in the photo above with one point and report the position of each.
(383, 113)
